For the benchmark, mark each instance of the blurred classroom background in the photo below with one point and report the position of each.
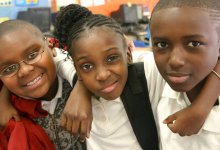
(133, 15)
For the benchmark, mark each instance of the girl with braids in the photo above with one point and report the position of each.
(122, 115)
(111, 128)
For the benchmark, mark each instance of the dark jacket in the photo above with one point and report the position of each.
(136, 101)
(137, 104)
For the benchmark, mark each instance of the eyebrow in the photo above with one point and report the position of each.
(26, 51)
(85, 56)
(184, 37)
(193, 36)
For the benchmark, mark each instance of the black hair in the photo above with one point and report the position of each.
(210, 6)
(74, 20)
(12, 25)
(67, 17)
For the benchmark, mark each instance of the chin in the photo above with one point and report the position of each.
(111, 97)
(180, 88)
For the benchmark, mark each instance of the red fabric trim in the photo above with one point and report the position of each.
(28, 108)
(24, 135)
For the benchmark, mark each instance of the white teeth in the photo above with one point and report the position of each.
(34, 81)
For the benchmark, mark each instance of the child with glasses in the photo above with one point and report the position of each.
(29, 71)
(29, 59)
(122, 115)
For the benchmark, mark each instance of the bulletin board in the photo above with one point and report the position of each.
(10, 8)
(26, 2)
(5, 3)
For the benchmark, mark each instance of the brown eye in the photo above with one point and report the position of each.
(113, 58)
(162, 45)
(194, 44)
(9, 69)
(32, 56)
(87, 67)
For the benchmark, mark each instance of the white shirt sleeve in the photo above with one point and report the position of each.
(64, 64)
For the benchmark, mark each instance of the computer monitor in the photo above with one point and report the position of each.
(23, 15)
(41, 17)
(128, 14)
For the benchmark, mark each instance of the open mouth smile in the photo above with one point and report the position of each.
(34, 81)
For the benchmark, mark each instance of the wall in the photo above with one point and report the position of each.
(113, 5)
(10, 11)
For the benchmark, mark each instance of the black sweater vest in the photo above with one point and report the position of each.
(137, 104)
(136, 101)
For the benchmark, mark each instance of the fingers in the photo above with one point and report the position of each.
(170, 119)
(89, 127)
(83, 130)
(63, 120)
(85, 127)
(75, 127)
(173, 127)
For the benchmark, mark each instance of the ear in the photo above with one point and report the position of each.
(130, 48)
(54, 52)
(129, 56)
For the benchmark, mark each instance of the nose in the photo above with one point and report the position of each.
(102, 74)
(24, 69)
(177, 58)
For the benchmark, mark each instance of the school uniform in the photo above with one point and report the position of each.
(207, 139)
(62, 139)
(165, 101)
(127, 122)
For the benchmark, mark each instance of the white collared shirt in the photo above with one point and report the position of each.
(65, 70)
(207, 139)
(111, 129)
(166, 101)
(50, 106)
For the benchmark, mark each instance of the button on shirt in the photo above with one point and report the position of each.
(111, 129)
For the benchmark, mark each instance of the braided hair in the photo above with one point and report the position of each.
(210, 6)
(74, 20)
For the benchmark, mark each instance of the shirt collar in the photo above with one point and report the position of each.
(50, 106)
(212, 121)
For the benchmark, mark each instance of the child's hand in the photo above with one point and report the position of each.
(77, 114)
(7, 111)
(186, 122)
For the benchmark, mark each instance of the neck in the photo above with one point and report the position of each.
(52, 91)
(194, 92)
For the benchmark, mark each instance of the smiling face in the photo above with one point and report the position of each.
(185, 45)
(100, 60)
(30, 81)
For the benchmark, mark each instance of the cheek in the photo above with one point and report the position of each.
(47, 63)
(89, 83)
(160, 63)
(51, 70)
(12, 84)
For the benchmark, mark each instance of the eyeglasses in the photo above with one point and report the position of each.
(30, 59)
